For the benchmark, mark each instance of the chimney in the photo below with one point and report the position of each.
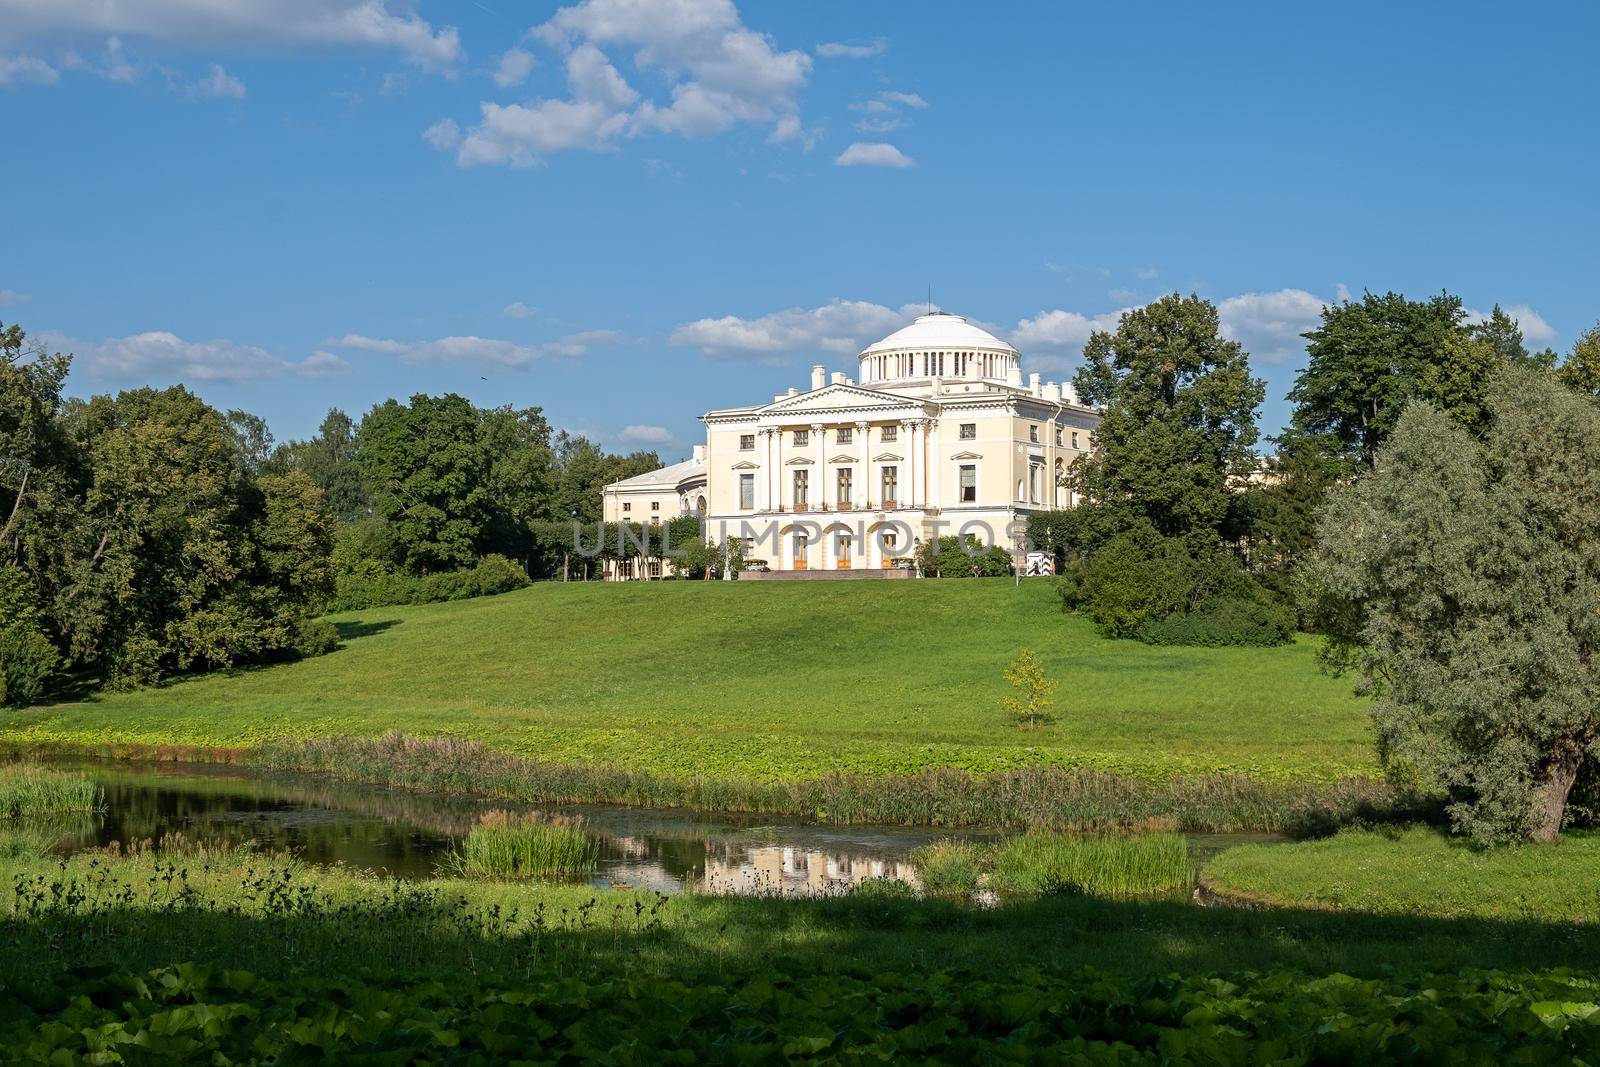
(1069, 394)
(1052, 392)
(1033, 383)
(1014, 377)
(838, 377)
(792, 391)
(699, 453)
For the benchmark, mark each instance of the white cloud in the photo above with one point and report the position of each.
(518, 310)
(24, 69)
(1341, 293)
(888, 125)
(1269, 325)
(873, 154)
(884, 112)
(842, 327)
(159, 354)
(718, 74)
(230, 23)
(1146, 274)
(1535, 330)
(515, 66)
(443, 135)
(646, 435)
(217, 85)
(480, 350)
(845, 50)
(11, 298)
(904, 99)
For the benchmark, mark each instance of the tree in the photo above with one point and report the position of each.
(1283, 510)
(428, 471)
(1369, 359)
(1179, 419)
(1581, 369)
(252, 441)
(1032, 691)
(1472, 583)
(33, 452)
(329, 460)
(520, 475)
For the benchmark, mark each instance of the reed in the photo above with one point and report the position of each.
(27, 791)
(514, 845)
(1026, 798)
(950, 869)
(1127, 866)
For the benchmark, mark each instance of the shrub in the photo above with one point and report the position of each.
(1135, 865)
(949, 868)
(962, 557)
(27, 663)
(1132, 579)
(509, 845)
(371, 584)
(1032, 691)
(313, 637)
(1224, 620)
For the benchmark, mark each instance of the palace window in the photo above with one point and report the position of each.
(802, 489)
(969, 483)
(1074, 438)
(891, 486)
(747, 491)
(802, 438)
(969, 431)
(843, 436)
(1033, 434)
(889, 433)
(747, 442)
(627, 507)
(1035, 482)
(655, 505)
(889, 539)
(1058, 437)
(843, 480)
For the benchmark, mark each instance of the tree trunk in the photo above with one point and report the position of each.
(1550, 792)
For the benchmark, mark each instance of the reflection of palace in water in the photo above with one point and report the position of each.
(726, 867)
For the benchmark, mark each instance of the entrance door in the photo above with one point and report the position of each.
(799, 545)
(841, 551)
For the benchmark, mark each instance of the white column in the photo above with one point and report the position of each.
(864, 475)
(910, 428)
(819, 478)
(932, 465)
(764, 497)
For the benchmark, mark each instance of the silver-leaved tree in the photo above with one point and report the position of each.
(1467, 569)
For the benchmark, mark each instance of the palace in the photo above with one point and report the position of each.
(937, 435)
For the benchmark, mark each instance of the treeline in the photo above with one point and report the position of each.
(149, 534)
(1183, 533)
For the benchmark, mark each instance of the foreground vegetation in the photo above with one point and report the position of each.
(188, 951)
(1418, 870)
(27, 791)
(575, 674)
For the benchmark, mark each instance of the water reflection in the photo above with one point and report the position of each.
(407, 835)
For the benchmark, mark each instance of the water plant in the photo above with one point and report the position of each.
(949, 868)
(27, 790)
(1104, 865)
(521, 845)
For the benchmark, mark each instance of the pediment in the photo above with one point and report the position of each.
(798, 461)
(842, 458)
(967, 455)
(746, 466)
(834, 397)
(886, 457)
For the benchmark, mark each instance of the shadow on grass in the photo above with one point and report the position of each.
(355, 629)
(416, 932)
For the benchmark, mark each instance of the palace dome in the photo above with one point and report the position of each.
(940, 345)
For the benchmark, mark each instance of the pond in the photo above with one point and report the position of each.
(407, 835)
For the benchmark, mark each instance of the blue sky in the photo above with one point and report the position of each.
(631, 212)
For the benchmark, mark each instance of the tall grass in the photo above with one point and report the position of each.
(521, 846)
(1027, 798)
(950, 869)
(1129, 866)
(30, 791)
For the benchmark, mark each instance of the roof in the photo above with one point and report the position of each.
(667, 477)
(940, 330)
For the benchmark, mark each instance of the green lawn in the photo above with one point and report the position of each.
(763, 680)
(1419, 871)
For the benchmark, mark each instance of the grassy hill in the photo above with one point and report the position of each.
(762, 680)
